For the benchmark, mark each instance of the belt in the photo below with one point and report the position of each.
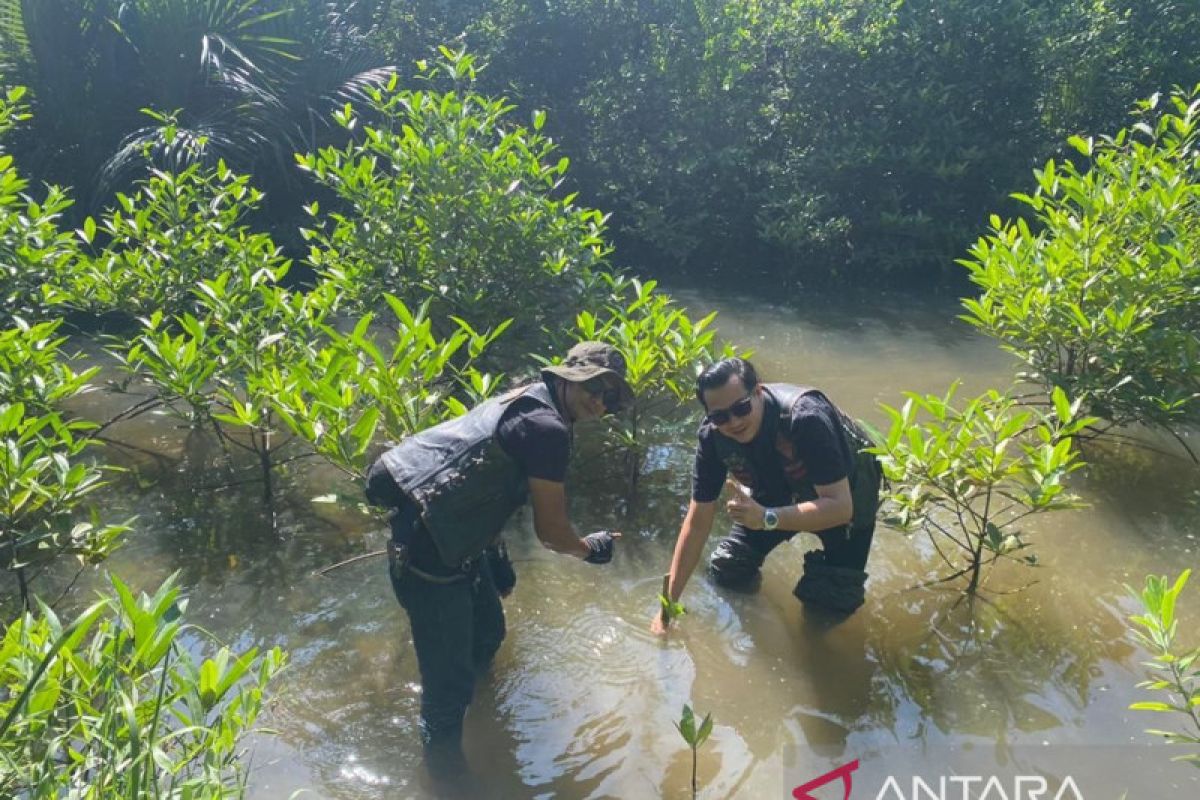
(399, 562)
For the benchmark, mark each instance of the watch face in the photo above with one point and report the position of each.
(770, 519)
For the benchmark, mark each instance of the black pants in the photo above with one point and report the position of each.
(457, 627)
(737, 559)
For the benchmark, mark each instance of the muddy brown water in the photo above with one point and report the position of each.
(581, 699)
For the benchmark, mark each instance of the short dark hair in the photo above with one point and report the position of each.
(717, 375)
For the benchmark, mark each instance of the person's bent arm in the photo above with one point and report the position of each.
(834, 506)
(550, 521)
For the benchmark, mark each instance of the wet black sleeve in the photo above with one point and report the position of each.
(708, 471)
(817, 435)
(538, 440)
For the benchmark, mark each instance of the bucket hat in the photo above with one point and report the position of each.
(587, 360)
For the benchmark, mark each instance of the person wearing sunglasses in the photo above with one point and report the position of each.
(452, 488)
(792, 462)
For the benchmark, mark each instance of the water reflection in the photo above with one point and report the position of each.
(581, 700)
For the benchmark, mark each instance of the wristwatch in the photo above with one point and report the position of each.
(770, 519)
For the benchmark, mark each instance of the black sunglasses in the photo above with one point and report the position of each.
(611, 395)
(739, 409)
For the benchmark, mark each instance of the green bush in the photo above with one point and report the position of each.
(444, 196)
(44, 477)
(1096, 294)
(966, 474)
(355, 386)
(33, 368)
(175, 230)
(43, 483)
(118, 703)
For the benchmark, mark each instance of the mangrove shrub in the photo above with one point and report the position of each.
(445, 197)
(968, 473)
(1174, 672)
(1096, 294)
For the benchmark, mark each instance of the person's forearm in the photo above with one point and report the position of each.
(688, 549)
(563, 539)
(815, 515)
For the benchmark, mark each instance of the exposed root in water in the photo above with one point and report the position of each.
(349, 561)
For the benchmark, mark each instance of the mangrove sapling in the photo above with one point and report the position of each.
(351, 388)
(38, 253)
(160, 242)
(695, 737)
(1175, 674)
(969, 474)
(43, 484)
(34, 370)
(670, 609)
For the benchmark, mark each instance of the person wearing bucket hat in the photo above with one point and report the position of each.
(452, 488)
(797, 464)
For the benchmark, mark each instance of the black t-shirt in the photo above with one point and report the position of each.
(815, 430)
(537, 438)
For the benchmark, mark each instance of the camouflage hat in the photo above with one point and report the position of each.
(587, 360)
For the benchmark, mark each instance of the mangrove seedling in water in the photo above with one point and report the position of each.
(969, 474)
(693, 736)
(1174, 674)
(671, 609)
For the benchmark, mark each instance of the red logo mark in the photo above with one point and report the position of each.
(843, 772)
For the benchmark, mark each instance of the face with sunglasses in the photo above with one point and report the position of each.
(735, 412)
(603, 390)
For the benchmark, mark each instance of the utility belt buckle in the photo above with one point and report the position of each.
(397, 557)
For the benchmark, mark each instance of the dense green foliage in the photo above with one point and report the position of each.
(1097, 294)
(664, 350)
(863, 140)
(34, 250)
(119, 704)
(967, 473)
(1174, 671)
(816, 141)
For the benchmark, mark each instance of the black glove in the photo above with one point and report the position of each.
(600, 544)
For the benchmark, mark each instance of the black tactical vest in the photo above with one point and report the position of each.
(781, 399)
(463, 483)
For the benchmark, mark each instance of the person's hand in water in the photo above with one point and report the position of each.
(600, 544)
